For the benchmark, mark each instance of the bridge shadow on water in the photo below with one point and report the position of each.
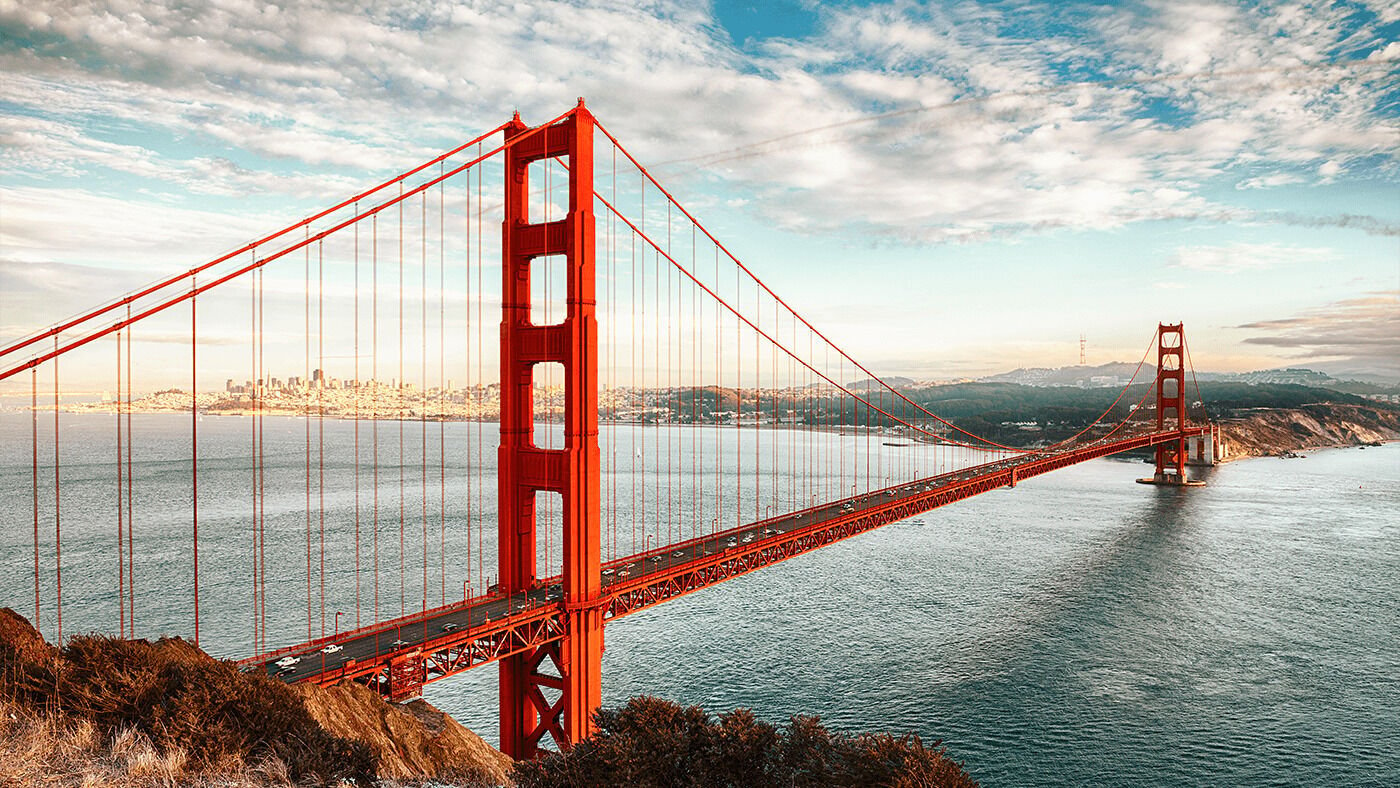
(1137, 563)
(1083, 637)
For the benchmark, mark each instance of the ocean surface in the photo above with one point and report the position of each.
(1077, 630)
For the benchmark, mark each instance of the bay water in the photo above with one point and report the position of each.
(1079, 629)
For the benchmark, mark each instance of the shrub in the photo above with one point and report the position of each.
(653, 742)
(181, 700)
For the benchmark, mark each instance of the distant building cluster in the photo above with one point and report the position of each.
(319, 380)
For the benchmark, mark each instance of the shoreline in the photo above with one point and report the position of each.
(1271, 432)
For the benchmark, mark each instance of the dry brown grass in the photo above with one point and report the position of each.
(105, 711)
(50, 749)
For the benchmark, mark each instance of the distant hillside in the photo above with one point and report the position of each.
(1111, 375)
(871, 385)
(1116, 374)
(1287, 376)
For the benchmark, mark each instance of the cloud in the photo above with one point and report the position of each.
(1363, 332)
(1269, 181)
(1236, 257)
(935, 123)
(117, 232)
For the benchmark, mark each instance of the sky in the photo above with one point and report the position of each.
(946, 189)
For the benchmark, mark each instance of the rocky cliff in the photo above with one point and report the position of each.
(412, 741)
(1268, 431)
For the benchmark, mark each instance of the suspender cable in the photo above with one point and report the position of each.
(194, 458)
(359, 389)
(34, 476)
(376, 396)
(398, 401)
(442, 390)
(321, 421)
(253, 443)
(261, 462)
(121, 505)
(130, 496)
(57, 520)
(480, 373)
(305, 396)
(423, 380)
(470, 389)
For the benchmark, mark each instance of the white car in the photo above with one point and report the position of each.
(287, 662)
(656, 559)
(678, 554)
(398, 644)
(332, 649)
(449, 626)
(748, 538)
(607, 572)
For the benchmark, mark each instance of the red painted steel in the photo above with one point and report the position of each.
(526, 469)
(1171, 398)
(534, 633)
(548, 632)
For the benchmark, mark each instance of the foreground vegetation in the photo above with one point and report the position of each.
(156, 713)
(103, 711)
(652, 742)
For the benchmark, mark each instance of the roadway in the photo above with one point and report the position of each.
(375, 644)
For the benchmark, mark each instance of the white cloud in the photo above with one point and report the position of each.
(991, 138)
(1236, 257)
(1269, 181)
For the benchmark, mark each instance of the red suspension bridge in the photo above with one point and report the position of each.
(642, 419)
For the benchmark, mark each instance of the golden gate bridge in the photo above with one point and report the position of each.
(665, 421)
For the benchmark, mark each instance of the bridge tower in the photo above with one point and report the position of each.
(555, 688)
(1171, 403)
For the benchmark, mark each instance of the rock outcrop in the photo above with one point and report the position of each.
(412, 741)
(1269, 431)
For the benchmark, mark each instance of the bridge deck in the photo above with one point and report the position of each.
(397, 657)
